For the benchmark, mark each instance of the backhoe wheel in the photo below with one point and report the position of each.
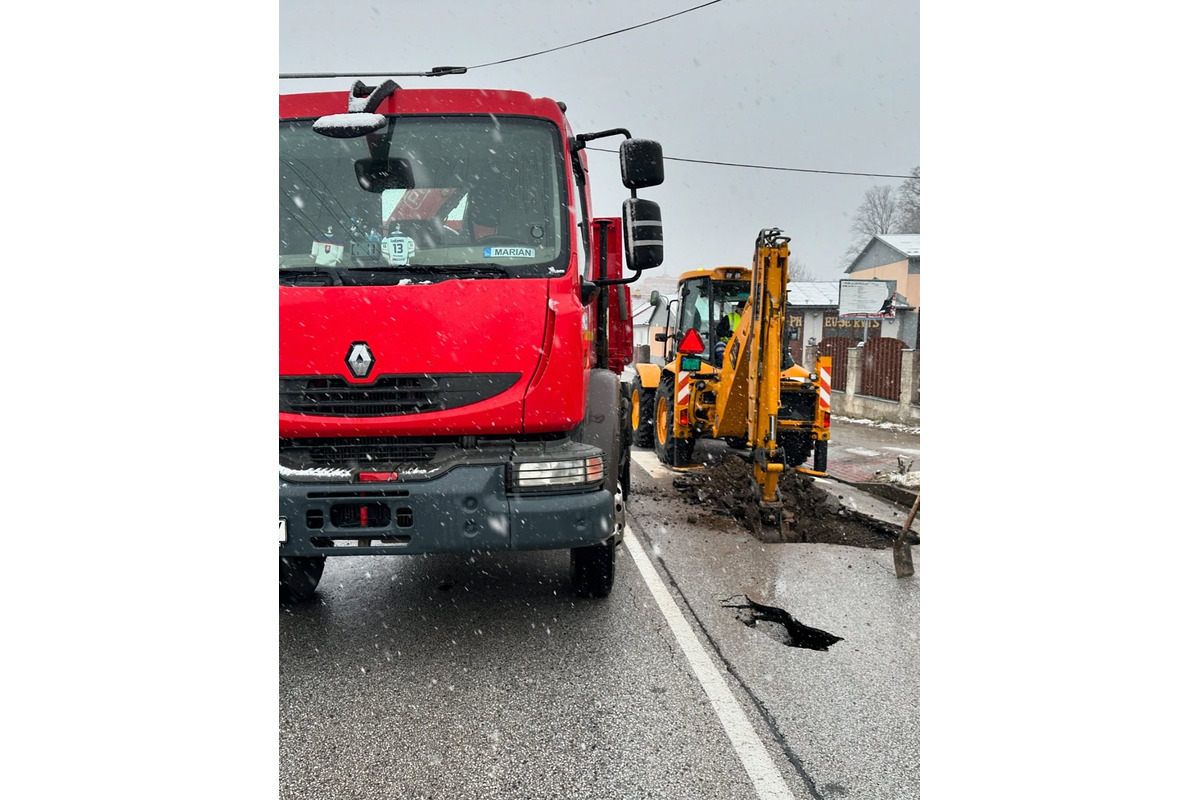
(797, 447)
(821, 456)
(672, 451)
(593, 568)
(298, 577)
(642, 416)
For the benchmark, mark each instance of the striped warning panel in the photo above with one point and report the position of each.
(823, 387)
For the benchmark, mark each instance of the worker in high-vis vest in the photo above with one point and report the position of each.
(729, 323)
(725, 329)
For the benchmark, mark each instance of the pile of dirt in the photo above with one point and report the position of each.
(810, 514)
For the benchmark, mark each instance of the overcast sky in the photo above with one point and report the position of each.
(830, 86)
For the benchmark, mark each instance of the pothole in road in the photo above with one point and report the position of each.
(779, 625)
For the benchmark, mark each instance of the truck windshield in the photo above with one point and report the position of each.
(458, 191)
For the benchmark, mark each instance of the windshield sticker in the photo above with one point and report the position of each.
(327, 249)
(509, 252)
(398, 249)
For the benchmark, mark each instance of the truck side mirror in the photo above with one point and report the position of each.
(642, 221)
(349, 126)
(641, 163)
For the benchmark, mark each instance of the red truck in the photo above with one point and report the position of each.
(453, 322)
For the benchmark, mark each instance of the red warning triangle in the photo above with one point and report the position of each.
(691, 343)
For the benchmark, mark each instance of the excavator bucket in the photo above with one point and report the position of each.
(767, 522)
(767, 517)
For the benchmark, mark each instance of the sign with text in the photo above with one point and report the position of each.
(866, 299)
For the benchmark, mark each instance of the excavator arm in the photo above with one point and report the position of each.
(755, 365)
(768, 309)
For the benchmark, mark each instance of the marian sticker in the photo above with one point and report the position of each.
(509, 252)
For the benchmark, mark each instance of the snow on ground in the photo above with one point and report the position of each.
(887, 426)
(910, 480)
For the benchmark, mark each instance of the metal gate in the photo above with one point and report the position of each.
(835, 347)
(881, 368)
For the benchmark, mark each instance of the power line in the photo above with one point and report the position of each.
(594, 38)
(779, 169)
(437, 71)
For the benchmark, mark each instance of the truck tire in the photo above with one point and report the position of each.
(603, 423)
(672, 451)
(642, 415)
(593, 569)
(298, 577)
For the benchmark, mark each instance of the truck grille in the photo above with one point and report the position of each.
(389, 395)
(361, 451)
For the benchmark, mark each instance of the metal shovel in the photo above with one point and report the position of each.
(901, 548)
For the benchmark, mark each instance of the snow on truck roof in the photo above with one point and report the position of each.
(410, 101)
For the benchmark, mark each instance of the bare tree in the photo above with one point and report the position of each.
(879, 213)
(799, 272)
(910, 203)
(885, 210)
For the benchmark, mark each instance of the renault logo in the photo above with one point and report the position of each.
(360, 360)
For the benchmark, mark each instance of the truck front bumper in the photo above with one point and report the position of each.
(466, 508)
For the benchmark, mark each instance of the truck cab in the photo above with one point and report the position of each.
(439, 385)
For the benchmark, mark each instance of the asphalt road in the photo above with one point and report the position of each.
(438, 677)
(484, 677)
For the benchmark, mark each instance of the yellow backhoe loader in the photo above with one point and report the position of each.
(728, 375)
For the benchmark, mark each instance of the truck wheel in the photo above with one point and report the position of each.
(593, 568)
(672, 451)
(298, 577)
(642, 415)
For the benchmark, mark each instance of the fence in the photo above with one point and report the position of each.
(880, 380)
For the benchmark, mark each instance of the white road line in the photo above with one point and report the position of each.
(649, 462)
(768, 782)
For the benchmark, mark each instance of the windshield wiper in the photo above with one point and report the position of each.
(344, 275)
(440, 270)
(468, 269)
(309, 276)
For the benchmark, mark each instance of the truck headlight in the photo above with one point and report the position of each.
(572, 473)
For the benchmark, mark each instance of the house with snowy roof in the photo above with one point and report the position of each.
(892, 257)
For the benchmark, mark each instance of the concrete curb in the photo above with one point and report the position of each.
(888, 491)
